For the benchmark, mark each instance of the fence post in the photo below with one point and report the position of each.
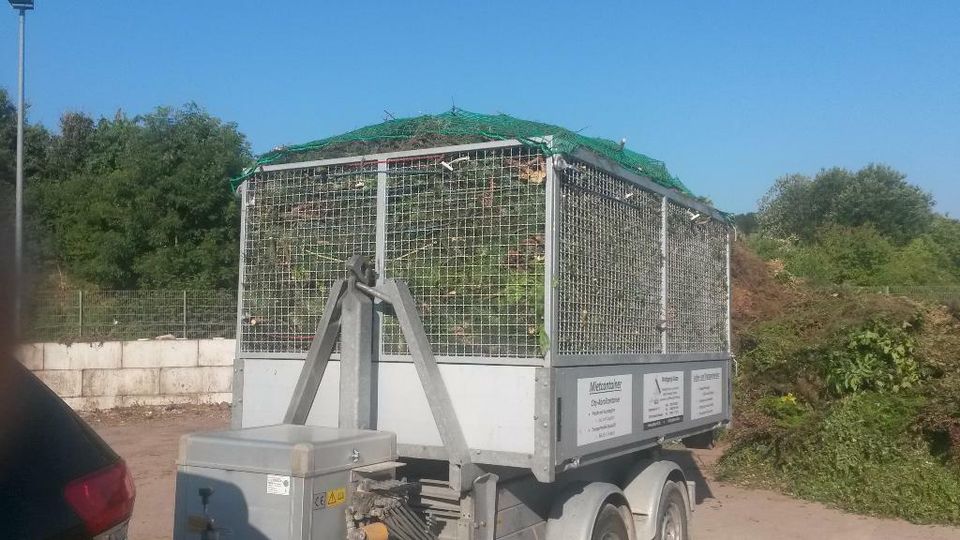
(80, 294)
(184, 314)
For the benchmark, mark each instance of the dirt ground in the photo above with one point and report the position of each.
(148, 438)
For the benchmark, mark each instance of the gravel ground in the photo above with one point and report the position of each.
(147, 438)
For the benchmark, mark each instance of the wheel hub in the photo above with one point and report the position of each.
(671, 527)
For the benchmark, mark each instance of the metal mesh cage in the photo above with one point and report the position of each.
(466, 232)
(696, 282)
(609, 277)
(301, 225)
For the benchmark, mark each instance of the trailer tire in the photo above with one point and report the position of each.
(610, 525)
(672, 514)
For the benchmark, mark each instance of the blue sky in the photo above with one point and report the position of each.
(730, 95)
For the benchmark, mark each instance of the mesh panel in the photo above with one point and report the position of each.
(468, 239)
(696, 282)
(609, 286)
(302, 224)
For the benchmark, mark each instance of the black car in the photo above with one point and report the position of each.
(58, 478)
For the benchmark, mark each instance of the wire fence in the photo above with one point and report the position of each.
(111, 315)
(942, 294)
(114, 315)
(947, 295)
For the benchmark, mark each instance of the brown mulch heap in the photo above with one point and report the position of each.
(757, 292)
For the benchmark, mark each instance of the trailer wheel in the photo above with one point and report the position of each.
(672, 515)
(610, 525)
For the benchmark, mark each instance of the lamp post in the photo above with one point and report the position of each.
(22, 6)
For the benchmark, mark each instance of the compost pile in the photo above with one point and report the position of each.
(843, 397)
(458, 126)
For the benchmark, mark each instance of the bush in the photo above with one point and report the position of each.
(860, 256)
(851, 400)
(862, 458)
(877, 357)
(921, 262)
(854, 255)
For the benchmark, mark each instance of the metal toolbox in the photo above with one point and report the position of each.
(276, 482)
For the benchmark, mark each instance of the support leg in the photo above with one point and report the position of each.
(356, 350)
(317, 358)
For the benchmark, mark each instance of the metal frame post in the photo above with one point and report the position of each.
(663, 275)
(551, 257)
(380, 255)
(545, 402)
(80, 316)
(729, 293)
(236, 410)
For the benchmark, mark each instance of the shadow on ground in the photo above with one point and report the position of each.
(692, 469)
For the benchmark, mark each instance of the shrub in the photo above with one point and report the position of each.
(854, 255)
(921, 262)
(860, 456)
(851, 400)
(877, 357)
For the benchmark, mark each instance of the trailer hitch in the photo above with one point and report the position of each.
(349, 314)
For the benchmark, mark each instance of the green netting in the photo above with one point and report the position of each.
(458, 126)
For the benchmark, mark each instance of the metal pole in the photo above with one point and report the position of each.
(18, 242)
(80, 293)
(663, 275)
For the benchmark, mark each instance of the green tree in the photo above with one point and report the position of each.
(790, 209)
(881, 196)
(876, 196)
(921, 262)
(36, 140)
(945, 233)
(144, 201)
(746, 223)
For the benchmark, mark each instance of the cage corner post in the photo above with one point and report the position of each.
(236, 416)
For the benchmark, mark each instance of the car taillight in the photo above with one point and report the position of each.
(102, 499)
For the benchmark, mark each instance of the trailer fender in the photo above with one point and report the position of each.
(643, 489)
(575, 510)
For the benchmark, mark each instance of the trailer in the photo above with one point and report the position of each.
(489, 339)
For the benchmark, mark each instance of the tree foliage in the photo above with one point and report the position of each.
(876, 195)
(36, 141)
(869, 227)
(130, 202)
(746, 223)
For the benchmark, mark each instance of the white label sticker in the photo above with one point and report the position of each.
(604, 408)
(706, 389)
(278, 484)
(662, 399)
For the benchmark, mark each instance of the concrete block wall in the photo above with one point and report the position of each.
(90, 376)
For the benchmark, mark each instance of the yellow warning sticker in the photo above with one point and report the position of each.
(336, 496)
